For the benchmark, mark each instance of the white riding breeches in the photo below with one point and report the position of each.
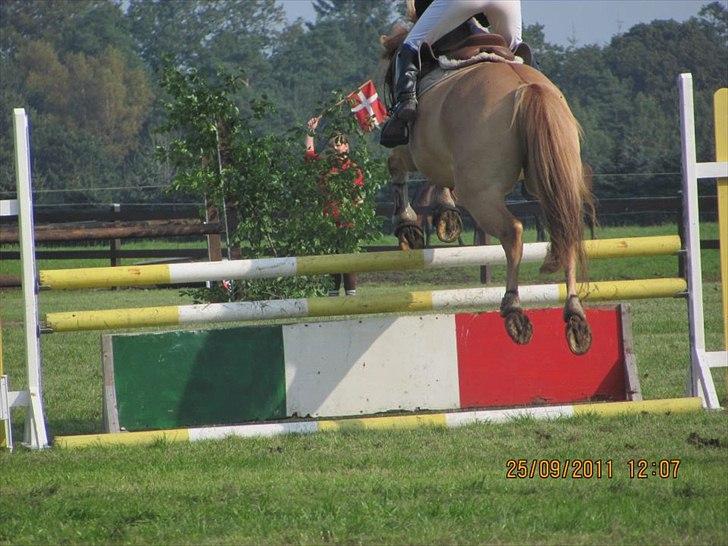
(442, 16)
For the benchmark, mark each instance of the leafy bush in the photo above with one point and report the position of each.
(273, 198)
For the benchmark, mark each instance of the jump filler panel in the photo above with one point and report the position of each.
(359, 367)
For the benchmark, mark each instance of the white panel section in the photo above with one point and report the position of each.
(716, 359)
(503, 416)
(18, 399)
(464, 255)
(233, 269)
(534, 252)
(4, 398)
(539, 293)
(8, 207)
(474, 255)
(451, 299)
(6, 425)
(242, 310)
(250, 431)
(482, 297)
(371, 365)
(716, 169)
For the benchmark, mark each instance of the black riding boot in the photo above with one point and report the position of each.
(406, 69)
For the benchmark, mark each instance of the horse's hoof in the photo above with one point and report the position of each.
(410, 237)
(518, 326)
(578, 335)
(449, 225)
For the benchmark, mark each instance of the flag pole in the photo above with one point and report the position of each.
(342, 101)
(332, 108)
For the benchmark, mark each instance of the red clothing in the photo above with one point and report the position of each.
(331, 207)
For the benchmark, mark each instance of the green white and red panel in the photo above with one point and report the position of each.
(356, 367)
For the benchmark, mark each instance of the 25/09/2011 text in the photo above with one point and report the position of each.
(586, 469)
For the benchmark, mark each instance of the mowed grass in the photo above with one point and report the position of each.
(426, 486)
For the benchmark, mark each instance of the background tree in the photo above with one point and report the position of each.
(88, 70)
(647, 59)
(338, 52)
(72, 66)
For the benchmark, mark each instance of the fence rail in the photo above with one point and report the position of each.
(117, 222)
(136, 212)
(604, 207)
(52, 214)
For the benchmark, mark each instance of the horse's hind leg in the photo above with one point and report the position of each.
(423, 202)
(494, 217)
(578, 332)
(404, 219)
(447, 218)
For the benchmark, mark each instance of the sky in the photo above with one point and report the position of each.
(581, 21)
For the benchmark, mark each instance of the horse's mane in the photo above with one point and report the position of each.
(396, 36)
(391, 43)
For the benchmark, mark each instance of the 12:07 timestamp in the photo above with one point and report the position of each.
(662, 468)
(589, 468)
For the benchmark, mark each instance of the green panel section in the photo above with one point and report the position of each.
(215, 377)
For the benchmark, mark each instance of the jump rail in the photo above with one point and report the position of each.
(105, 277)
(440, 300)
(448, 420)
(701, 360)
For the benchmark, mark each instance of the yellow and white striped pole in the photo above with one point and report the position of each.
(440, 300)
(389, 422)
(105, 277)
(4, 419)
(720, 102)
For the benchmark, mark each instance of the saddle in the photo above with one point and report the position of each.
(454, 50)
(472, 45)
(461, 45)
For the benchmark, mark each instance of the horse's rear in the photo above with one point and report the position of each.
(478, 131)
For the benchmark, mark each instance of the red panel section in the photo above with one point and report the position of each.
(495, 371)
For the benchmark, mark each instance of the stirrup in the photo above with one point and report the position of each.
(392, 136)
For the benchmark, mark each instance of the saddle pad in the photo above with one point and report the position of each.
(451, 67)
(448, 63)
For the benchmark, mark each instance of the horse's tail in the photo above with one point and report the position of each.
(554, 169)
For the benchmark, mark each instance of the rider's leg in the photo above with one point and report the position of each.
(406, 70)
(438, 19)
(504, 17)
(442, 16)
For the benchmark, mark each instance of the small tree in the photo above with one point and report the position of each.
(223, 151)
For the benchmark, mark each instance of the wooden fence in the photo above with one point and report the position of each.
(115, 223)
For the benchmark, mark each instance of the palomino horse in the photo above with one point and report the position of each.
(476, 132)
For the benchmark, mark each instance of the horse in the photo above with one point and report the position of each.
(477, 131)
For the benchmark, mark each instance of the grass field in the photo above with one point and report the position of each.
(426, 486)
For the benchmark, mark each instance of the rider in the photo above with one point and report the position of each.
(435, 19)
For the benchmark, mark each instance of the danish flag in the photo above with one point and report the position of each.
(368, 109)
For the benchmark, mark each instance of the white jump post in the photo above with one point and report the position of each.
(35, 436)
(701, 361)
(8, 207)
